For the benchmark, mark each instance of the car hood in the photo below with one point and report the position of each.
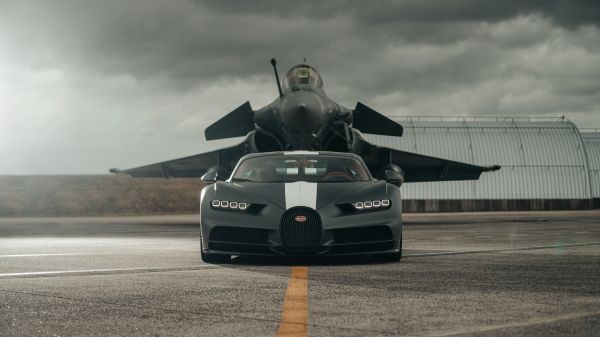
(316, 195)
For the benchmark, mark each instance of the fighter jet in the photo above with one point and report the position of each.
(303, 117)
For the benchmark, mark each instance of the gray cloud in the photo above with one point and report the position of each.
(85, 85)
(563, 12)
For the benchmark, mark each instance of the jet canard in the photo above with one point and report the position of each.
(303, 117)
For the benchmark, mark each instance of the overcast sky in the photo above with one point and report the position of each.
(89, 85)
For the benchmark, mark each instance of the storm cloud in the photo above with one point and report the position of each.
(88, 85)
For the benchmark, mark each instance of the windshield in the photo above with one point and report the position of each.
(302, 76)
(311, 168)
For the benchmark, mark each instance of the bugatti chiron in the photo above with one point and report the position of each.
(300, 203)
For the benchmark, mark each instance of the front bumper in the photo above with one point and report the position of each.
(342, 233)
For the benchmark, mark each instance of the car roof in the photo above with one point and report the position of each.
(313, 153)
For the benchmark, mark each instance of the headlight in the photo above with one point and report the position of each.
(371, 204)
(225, 204)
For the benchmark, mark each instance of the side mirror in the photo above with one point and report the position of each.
(211, 176)
(393, 177)
(392, 173)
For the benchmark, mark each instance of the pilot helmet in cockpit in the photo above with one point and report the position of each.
(302, 76)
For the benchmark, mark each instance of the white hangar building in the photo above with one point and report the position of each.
(546, 163)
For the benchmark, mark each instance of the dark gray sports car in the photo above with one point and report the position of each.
(301, 203)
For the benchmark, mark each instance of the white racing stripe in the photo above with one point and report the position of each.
(301, 193)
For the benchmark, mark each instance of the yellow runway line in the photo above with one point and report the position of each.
(295, 307)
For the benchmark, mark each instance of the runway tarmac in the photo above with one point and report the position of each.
(482, 274)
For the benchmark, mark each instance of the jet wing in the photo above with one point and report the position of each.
(418, 167)
(367, 120)
(237, 123)
(191, 166)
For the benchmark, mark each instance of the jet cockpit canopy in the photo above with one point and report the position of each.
(302, 76)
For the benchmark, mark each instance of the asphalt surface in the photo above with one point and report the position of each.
(486, 274)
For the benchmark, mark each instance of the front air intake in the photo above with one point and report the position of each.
(301, 228)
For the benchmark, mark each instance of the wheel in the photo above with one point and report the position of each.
(214, 258)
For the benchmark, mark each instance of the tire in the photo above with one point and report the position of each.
(214, 258)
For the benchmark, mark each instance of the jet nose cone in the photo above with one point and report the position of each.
(303, 109)
(302, 112)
